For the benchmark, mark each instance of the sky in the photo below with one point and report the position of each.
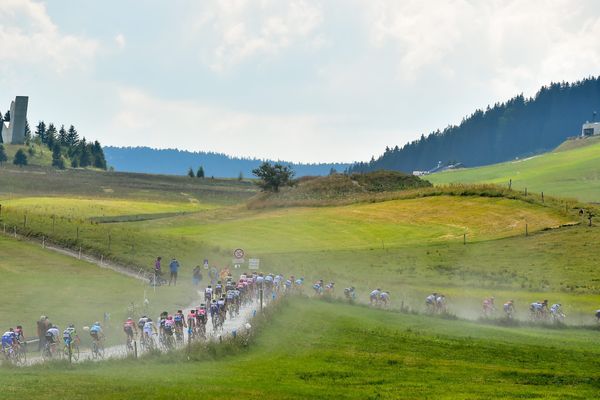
(296, 80)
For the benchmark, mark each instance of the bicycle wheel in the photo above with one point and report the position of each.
(94, 350)
(101, 350)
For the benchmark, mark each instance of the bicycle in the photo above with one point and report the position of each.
(97, 349)
(74, 350)
(129, 344)
(49, 351)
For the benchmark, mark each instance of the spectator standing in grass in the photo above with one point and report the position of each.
(174, 267)
(43, 324)
(157, 269)
(197, 276)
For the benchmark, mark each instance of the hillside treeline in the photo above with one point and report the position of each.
(177, 162)
(516, 128)
(68, 147)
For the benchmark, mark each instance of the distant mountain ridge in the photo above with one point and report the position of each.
(177, 162)
(516, 128)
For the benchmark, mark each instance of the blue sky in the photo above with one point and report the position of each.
(299, 80)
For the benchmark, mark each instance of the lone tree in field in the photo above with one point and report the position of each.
(200, 172)
(272, 177)
(20, 158)
(3, 156)
(190, 172)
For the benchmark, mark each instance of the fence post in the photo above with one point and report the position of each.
(542, 197)
(135, 348)
(260, 293)
(464, 238)
(43, 242)
(70, 353)
(526, 230)
(80, 252)
(78, 234)
(15, 231)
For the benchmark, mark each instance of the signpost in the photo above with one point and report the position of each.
(254, 263)
(205, 263)
(239, 258)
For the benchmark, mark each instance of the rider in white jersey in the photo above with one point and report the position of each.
(374, 296)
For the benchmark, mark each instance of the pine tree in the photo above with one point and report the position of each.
(85, 157)
(27, 132)
(40, 131)
(72, 137)
(57, 158)
(200, 172)
(7, 116)
(62, 136)
(20, 158)
(99, 161)
(3, 156)
(191, 172)
(50, 135)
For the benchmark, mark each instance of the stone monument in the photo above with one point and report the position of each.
(13, 131)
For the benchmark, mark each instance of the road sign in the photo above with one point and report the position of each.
(238, 253)
(254, 263)
(238, 261)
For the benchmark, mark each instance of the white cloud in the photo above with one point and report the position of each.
(29, 37)
(512, 46)
(236, 30)
(151, 121)
(120, 41)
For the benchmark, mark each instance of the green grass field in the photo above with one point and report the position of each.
(37, 281)
(313, 349)
(572, 172)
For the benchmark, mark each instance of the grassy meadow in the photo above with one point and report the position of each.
(315, 349)
(572, 171)
(38, 281)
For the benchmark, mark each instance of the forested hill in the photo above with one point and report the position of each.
(177, 162)
(517, 128)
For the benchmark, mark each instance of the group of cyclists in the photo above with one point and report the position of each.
(538, 310)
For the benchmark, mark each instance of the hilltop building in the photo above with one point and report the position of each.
(13, 131)
(590, 129)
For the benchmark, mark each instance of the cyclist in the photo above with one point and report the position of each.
(440, 303)
(129, 328)
(141, 322)
(201, 319)
(214, 311)
(218, 289)
(191, 322)
(374, 296)
(384, 297)
(149, 330)
(20, 334)
(52, 334)
(179, 323)
(70, 335)
(556, 312)
(509, 309)
(488, 306)
(9, 340)
(318, 287)
(169, 329)
(350, 293)
(96, 332)
(208, 292)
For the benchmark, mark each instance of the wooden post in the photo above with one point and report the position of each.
(510, 184)
(43, 242)
(542, 197)
(464, 238)
(526, 230)
(15, 231)
(260, 293)
(78, 234)
(135, 349)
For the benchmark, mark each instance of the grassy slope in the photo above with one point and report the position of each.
(322, 350)
(41, 157)
(363, 226)
(569, 173)
(37, 281)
